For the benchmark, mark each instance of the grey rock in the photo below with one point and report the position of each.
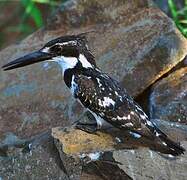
(168, 100)
(143, 164)
(39, 163)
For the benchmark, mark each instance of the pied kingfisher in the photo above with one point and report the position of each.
(96, 91)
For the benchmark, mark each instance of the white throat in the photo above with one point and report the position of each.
(66, 62)
(70, 62)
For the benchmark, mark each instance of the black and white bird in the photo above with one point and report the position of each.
(98, 92)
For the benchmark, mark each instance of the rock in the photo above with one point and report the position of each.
(133, 41)
(77, 141)
(74, 141)
(42, 162)
(94, 154)
(86, 156)
(143, 164)
(168, 100)
(89, 156)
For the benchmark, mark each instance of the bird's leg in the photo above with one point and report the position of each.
(89, 128)
(89, 125)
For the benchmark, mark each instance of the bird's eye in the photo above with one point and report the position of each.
(56, 49)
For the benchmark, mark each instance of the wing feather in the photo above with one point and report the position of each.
(104, 96)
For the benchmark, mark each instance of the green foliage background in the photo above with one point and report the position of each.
(179, 16)
(30, 14)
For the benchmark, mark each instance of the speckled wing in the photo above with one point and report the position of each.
(104, 96)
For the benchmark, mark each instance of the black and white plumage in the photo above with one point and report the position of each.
(96, 91)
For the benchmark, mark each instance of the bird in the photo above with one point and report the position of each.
(99, 93)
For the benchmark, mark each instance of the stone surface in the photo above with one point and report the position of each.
(89, 156)
(42, 162)
(143, 164)
(98, 157)
(133, 41)
(168, 100)
(75, 141)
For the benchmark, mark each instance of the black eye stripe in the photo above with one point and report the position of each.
(65, 50)
(56, 49)
(70, 51)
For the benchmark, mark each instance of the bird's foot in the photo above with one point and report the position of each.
(87, 127)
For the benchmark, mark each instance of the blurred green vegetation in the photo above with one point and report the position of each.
(179, 16)
(23, 17)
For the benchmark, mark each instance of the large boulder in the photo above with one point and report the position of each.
(168, 100)
(143, 164)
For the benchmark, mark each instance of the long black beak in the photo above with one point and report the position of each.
(31, 58)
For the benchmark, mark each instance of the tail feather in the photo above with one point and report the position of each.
(159, 141)
(169, 146)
